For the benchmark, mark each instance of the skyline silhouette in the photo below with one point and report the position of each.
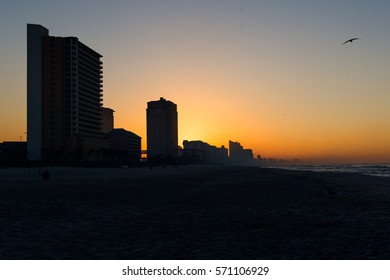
(270, 74)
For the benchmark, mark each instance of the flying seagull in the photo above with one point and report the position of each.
(351, 40)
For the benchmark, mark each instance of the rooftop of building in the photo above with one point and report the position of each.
(162, 102)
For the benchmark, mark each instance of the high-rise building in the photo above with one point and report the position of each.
(162, 132)
(64, 96)
(35, 33)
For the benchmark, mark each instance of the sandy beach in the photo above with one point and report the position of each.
(192, 212)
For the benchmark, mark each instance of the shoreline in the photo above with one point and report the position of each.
(194, 212)
(347, 169)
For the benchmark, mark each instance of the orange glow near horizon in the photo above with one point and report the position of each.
(325, 138)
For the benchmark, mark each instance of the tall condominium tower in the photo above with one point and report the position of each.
(64, 96)
(162, 133)
(35, 33)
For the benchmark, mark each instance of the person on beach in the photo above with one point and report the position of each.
(45, 175)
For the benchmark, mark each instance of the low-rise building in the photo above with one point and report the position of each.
(124, 144)
(13, 151)
(107, 119)
(201, 152)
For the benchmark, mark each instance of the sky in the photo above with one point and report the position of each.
(270, 74)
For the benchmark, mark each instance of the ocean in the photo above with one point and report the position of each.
(382, 170)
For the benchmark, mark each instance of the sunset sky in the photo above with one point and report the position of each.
(270, 74)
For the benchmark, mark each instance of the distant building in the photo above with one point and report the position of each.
(126, 143)
(107, 120)
(196, 151)
(238, 154)
(235, 150)
(162, 131)
(64, 96)
(201, 152)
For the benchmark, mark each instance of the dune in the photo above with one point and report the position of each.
(192, 212)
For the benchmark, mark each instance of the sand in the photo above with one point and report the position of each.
(193, 212)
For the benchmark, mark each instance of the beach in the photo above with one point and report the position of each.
(192, 212)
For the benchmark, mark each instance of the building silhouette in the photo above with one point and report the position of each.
(238, 154)
(124, 145)
(64, 96)
(162, 131)
(202, 152)
(13, 152)
(107, 120)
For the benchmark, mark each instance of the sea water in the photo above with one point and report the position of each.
(364, 169)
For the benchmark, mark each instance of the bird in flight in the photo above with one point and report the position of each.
(351, 40)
